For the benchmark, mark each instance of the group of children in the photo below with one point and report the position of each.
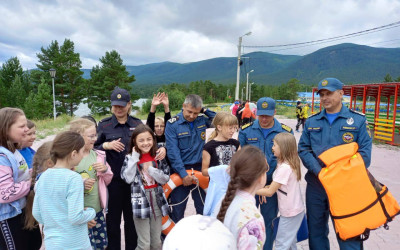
(65, 189)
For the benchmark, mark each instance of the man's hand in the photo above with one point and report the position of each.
(187, 180)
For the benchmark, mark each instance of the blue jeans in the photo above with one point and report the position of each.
(179, 194)
(317, 204)
(269, 211)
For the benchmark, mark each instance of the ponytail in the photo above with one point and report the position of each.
(213, 135)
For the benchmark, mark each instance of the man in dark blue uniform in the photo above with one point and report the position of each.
(114, 133)
(185, 135)
(333, 126)
(261, 133)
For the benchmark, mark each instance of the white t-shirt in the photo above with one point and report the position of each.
(23, 170)
(290, 202)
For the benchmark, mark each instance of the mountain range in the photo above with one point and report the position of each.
(351, 63)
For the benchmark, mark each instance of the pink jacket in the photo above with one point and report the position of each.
(104, 179)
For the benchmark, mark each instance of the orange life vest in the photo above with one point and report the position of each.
(358, 203)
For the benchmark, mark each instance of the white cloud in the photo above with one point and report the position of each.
(185, 31)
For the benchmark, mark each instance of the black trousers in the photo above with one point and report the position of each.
(119, 202)
(300, 121)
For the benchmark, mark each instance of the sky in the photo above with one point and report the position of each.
(182, 31)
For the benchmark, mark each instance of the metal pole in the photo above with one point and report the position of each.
(242, 93)
(238, 70)
(54, 100)
(247, 86)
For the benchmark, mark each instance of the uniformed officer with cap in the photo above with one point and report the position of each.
(114, 133)
(185, 135)
(261, 133)
(333, 126)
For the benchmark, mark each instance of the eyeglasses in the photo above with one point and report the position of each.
(92, 137)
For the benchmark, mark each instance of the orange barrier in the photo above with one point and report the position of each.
(175, 181)
(358, 203)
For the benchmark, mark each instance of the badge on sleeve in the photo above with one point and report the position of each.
(203, 135)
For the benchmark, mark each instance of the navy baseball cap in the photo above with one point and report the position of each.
(266, 106)
(120, 97)
(331, 84)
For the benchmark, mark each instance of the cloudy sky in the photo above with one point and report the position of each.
(182, 31)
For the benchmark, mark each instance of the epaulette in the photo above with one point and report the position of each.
(247, 125)
(201, 114)
(173, 119)
(357, 112)
(286, 127)
(314, 114)
(106, 119)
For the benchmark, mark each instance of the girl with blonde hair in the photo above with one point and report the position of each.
(286, 181)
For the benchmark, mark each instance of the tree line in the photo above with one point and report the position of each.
(31, 90)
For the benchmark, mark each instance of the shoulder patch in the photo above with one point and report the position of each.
(314, 114)
(286, 127)
(173, 119)
(357, 112)
(247, 125)
(201, 114)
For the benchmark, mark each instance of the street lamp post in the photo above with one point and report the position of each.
(242, 94)
(53, 74)
(247, 84)
(250, 91)
(238, 65)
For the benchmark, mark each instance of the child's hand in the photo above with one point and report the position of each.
(91, 223)
(161, 153)
(99, 167)
(89, 183)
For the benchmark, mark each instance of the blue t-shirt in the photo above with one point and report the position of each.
(266, 131)
(28, 154)
(191, 125)
(332, 117)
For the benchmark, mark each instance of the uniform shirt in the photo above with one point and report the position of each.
(252, 134)
(319, 135)
(109, 129)
(185, 145)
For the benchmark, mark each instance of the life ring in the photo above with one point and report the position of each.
(175, 181)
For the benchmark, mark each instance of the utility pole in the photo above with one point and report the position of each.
(238, 65)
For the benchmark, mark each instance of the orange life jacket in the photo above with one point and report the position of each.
(358, 203)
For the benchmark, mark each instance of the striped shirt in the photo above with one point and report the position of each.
(58, 205)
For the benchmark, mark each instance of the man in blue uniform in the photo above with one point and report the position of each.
(185, 135)
(260, 133)
(333, 126)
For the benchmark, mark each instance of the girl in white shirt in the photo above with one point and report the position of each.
(286, 181)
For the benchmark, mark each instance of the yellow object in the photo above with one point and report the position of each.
(358, 203)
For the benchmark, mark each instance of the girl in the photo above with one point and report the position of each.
(146, 176)
(286, 180)
(41, 162)
(238, 209)
(58, 203)
(26, 151)
(96, 175)
(221, 146)
(217, 154)
(157, 124)
(14, 181)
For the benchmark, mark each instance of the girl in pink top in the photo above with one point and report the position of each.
(286, 181)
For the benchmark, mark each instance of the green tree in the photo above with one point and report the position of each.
(39, 105)
(104, 78)
(388, 78)
(9, 71)
(16, 94)
(69, 84)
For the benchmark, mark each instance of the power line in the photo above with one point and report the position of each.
(326, 40)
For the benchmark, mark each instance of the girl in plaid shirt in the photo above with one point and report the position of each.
(146, 176)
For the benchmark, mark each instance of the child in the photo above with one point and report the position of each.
(26, 150)
(221, 146)
(15, 181)
(238, 209)
(286, 180)
(41, 162)
(146, 176)
(58, 203)
(217, 154)
(96, 175)
(157, 124)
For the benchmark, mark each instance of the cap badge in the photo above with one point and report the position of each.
(119, 96)
(264, 105)
(350, 121)
(324, 82)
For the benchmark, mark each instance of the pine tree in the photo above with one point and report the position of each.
(8, 72)
(104, 79)
(16, 95)
(39, 105)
